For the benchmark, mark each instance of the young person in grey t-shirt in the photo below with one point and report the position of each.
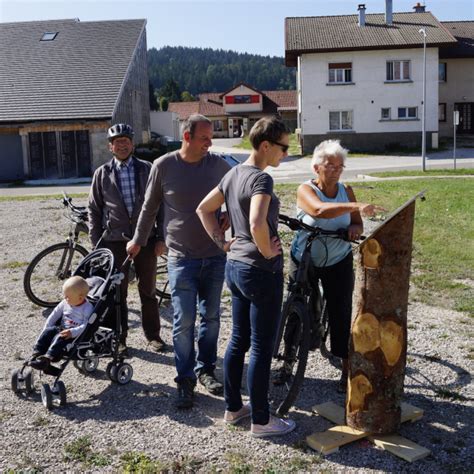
(178, 182)
(254, 273)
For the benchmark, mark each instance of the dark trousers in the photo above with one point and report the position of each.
(256, 309)
(51, 343)
(145, 269)
(338, 284)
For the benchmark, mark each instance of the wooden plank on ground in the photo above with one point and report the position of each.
(401, 447)
(335, 413)
(329, 441)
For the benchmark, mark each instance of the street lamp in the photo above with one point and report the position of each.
(423, 120)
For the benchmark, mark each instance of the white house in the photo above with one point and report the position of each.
(360, 77)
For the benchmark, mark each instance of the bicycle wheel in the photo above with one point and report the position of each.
(45, 274)
(323, 348)
(291, 358)
(162, 282)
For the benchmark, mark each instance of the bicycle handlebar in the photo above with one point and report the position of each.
(296, 224)
(77, 213)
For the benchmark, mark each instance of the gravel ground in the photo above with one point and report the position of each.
(102, 421)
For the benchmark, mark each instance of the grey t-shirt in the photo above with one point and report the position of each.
(180, 186)
(238, 186)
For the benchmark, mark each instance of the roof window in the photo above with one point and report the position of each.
(48, 36)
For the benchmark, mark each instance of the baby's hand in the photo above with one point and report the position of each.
(66, 334)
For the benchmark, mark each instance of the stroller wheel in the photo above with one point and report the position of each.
(90, 365)
(46, 396)
(111, 371)
(29, 382)
(124, 373)
(14, 380)
(59, 389)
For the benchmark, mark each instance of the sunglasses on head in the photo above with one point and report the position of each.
(284, 148)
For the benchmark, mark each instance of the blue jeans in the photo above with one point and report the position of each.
(195, 281)
(256, 309)
(51, 343)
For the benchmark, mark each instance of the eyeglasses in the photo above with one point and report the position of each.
(331, 167)
(284, 148)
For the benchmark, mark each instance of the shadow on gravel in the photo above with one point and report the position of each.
(416, 379)
(134, 401)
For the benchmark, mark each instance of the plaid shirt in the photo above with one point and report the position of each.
(126, 175)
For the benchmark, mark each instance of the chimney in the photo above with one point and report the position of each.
(361, 9)
(388, 12)
(419, 8)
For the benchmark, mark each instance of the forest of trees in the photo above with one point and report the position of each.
(179, 73)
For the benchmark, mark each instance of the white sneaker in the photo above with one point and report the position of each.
(233, 417)
(274, 427)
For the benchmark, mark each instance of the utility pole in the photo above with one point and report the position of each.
(423, 122)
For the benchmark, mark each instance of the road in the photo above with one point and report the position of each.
(293, 169)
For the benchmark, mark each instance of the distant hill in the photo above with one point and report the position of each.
(198, 70)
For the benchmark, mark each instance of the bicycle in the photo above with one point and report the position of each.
(44, 275)
(304, 324)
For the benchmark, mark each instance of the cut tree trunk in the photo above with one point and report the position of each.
(378, 343)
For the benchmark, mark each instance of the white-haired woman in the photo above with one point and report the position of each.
(326, 203)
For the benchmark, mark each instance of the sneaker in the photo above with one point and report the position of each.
(185, 394)
(233, 417)
(208, 380)
(34, 355)
(41, 363)
(158, 345)
(274, 427)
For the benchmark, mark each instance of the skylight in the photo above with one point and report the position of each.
(49, 36)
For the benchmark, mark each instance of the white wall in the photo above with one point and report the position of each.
(369, 93)
(165, 123)
(243, 90)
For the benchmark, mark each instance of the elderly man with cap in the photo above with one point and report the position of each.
(115, 200)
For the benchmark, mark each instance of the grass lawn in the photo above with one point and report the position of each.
(293, 150)
(437, 172)
(443, 243)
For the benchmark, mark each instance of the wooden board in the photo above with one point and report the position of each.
(401, 447)
(335, 413)
(329, 441)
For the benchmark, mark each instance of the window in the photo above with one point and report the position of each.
(442, 112)
(407, 113)
(340, 120)
(49, 36)
(398, 71)
(442, 72)
(340, 73)
(385, 114)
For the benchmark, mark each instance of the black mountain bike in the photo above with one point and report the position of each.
(304, 324)
(47, 271)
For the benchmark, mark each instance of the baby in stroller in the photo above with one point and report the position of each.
(83, 328)
(67, 321)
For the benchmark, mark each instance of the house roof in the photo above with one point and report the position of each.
(210, 104)
(463, 31)
(78, 75)
(319, 34)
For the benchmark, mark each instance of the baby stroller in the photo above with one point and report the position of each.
(95, 342)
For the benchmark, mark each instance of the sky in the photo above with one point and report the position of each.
(252, 26)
